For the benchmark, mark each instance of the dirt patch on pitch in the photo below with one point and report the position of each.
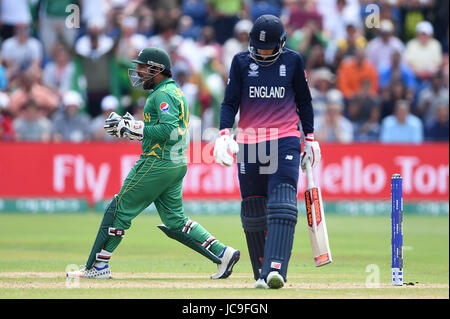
(57, 280)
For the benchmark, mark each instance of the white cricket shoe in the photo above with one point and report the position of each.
(275, 280)
(94, 272)
(261, 284)
(229, 259)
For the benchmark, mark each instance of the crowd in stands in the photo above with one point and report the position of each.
(378, 70)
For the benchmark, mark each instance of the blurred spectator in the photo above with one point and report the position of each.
(30, 88)
(369, 131)
(181, 74)
(424, 53)
(95, 53)
(301, 12)
(348, 46)
(194, 17)
(69, 124)
(31, 125)
(441, 23)
(12, 13)
(93, 10)
(191, 91)
(321, 83)
(402, 126)
(380, 50)
(109, 104)
(167, 37)
(397, 70)
(333, 126)
(223, 16)
(51, 14)
(208, 42)
(257, 8)
(131, 42)
(316, 58)
(163, 11)
(305, 40)
(337, 14)
(437, 129)
(390, 95)
(3, 75)
(353, 72)
(431, 97)
(6, 121)
(213, 78)
(238, 43)
(58, 73)
(359, 108)
(21, 52)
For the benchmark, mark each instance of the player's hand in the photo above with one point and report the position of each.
(129, 127)
(311, 152)
(224, 148)
(125, 126)
(111, 124)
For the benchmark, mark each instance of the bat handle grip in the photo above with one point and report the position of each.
(309, 175)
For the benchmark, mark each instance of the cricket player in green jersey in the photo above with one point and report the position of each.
(157, 177)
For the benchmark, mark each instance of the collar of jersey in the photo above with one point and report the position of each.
(165, 81)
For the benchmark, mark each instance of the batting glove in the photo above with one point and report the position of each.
(311, 152)
(224, 148)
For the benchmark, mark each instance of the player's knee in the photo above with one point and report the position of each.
(254, 214)
(282, 203)
(174, 222)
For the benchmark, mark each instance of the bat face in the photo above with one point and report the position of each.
(317, 228)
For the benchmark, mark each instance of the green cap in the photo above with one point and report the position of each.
(152, 55)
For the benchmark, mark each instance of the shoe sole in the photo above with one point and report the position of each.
(234, 259)
(275, 282)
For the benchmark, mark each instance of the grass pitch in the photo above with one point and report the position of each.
(36, 250)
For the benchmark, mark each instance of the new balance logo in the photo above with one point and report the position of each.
(289, 157)
(275, 265)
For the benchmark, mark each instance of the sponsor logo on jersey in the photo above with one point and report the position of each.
(164, 106)
(266, 92)
(282, 70)
(253, 69)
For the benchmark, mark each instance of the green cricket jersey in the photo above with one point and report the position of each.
(166, 119)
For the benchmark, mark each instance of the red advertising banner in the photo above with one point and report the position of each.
(95, 171)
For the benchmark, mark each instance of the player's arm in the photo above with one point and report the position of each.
(311, 150)
(168, 118)
(232, 98)
(230, 107)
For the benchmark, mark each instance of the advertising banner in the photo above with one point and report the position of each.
(95, 171)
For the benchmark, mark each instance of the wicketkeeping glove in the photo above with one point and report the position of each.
(224, 148)
(111, 124)
(125, 126)
(311, 151)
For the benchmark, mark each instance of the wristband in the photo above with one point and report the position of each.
(309, 137)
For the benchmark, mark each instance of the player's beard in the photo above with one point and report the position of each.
(148, 84)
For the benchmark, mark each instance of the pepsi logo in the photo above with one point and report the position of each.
(164, 107)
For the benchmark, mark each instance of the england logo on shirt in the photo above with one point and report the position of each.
(164, 106)
(282, 70)
(253, 69)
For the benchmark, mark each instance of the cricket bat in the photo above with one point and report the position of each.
(316, 221)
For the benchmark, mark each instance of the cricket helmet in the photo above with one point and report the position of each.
(157, 61)
(267, 33)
